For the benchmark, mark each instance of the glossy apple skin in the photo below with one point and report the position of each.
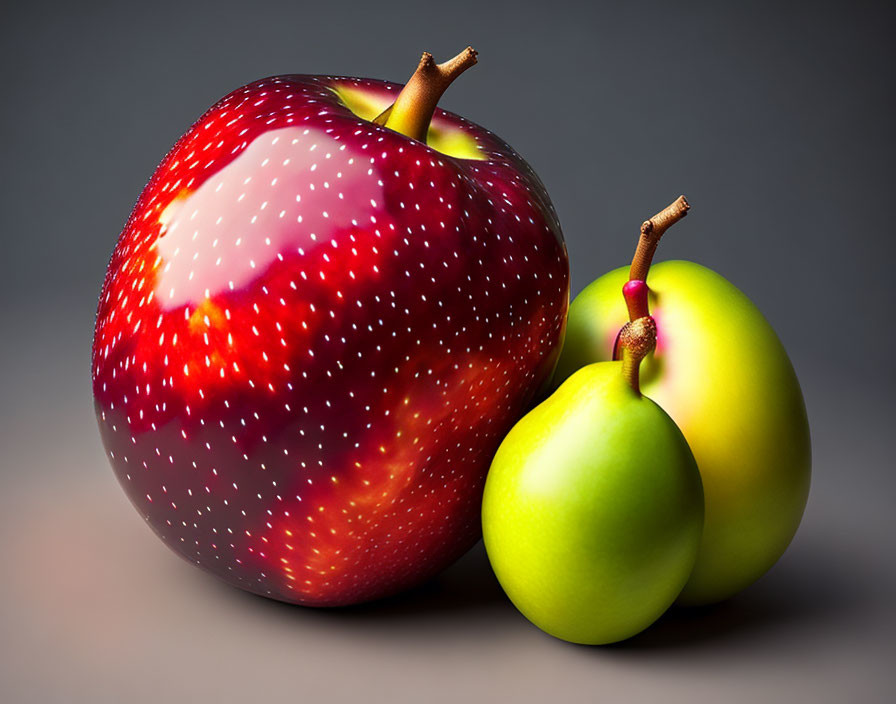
(720, 371)
(313, 334)
(593, 510)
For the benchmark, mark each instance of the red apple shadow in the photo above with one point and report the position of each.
(467, 586)
(800, 592)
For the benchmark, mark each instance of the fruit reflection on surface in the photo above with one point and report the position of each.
(720, 371)
(593, 505)
(315, 330)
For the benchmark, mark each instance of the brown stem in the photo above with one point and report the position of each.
(637, 339)
(651, 231)
(413, 109)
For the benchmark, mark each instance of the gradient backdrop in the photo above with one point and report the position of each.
(777, 122)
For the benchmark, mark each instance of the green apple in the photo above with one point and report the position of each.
(593, 509)
(720, 371)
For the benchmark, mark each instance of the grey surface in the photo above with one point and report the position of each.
(778, 125)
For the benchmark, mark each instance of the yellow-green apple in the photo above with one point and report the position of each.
(720, 371)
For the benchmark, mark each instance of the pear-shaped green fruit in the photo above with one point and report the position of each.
(593, 510)
(721, 373)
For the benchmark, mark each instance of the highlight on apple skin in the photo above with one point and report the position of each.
(720, 371)
(327, 308)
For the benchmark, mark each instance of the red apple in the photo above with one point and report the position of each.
(316, 329)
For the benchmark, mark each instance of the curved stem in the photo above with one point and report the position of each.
(651, 232)
(637, 339)
(635, 290)
(413, 109)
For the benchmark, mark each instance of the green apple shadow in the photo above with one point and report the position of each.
(803, 591)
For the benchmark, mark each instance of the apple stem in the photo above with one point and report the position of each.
(636, 340)
(415, 105)
(635, 290)
(651, 232)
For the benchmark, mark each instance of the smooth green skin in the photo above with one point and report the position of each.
(722, 374)
(593, 510)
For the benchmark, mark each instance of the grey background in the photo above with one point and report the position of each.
(777, 122)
